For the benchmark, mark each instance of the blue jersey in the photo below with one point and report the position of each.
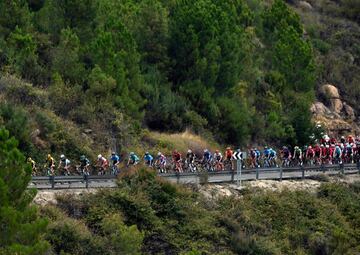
(272, 153)
(266, 153)
(148, 157)
(115, 159)
(207, 155)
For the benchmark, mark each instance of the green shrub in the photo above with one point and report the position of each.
(123, 239)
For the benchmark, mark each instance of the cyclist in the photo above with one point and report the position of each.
(160, 162)
(228, 153)
(333, 140)
(148, 159)
(102, 164)
(115, 161)
(253, 156)
(258, 156)
(337, 155)
(33, 165)
(298, 155)
(357, 151)
(349, 153)
(342, 140)
(50, 165)
(218, 157)
(64, 165)
(286, 156)
(207, 159)
(133, 159)
(228, 159)
(350, 139)
(84, 165)
(176, 157)
(190, 161)
(272, 157)
(310, 153)
(266, 156)
(317, 151)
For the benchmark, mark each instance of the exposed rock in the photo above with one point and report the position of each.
(336, 105)
(305, 5)
(36, 140)
(88, 131)
(349, 111)
(330, 91)
(35, 133)
(319, 108)
(49, 197)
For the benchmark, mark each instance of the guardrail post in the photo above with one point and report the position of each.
(358, 166)
(342, 167)
(322, 168)
(257, 173)
(302, 172)
(232, 175)
(281, 173)
(86, 178)
(177, 178)
(52, 181)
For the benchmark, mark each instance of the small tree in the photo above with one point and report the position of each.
(20, 231)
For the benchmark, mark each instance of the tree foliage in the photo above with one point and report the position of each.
(167, 65)
(21, 229)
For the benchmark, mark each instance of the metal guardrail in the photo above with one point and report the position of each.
(278, 173)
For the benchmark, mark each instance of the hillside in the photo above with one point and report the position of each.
(99, 74)
(150, 216)
(333, 27)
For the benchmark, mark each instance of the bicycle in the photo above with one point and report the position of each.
(190, 166)
(218, 166)
(228, 165)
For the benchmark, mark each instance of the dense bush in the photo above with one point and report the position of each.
(159, 217)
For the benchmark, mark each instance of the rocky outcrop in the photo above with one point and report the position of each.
(330, 94)
(349, 111)
(335, 115)
(305, 5)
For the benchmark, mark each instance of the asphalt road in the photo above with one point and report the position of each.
(76, 182)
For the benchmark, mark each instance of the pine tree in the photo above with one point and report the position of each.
(20, 231)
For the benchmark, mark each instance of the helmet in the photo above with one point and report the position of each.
(327, 146)
(132, 153)
(147, 153)
(29, 159)
(99, 156)
(49, 156)
(189, 151)
(159, 153)
(296, 147)
(113, 153)
(216, 151)
(321, 145)
(310, 147)
(265, 147)
(206, 150)
(62, 156)
(228, 148)
(82, 157)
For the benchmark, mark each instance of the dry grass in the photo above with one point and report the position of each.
(181, 141)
